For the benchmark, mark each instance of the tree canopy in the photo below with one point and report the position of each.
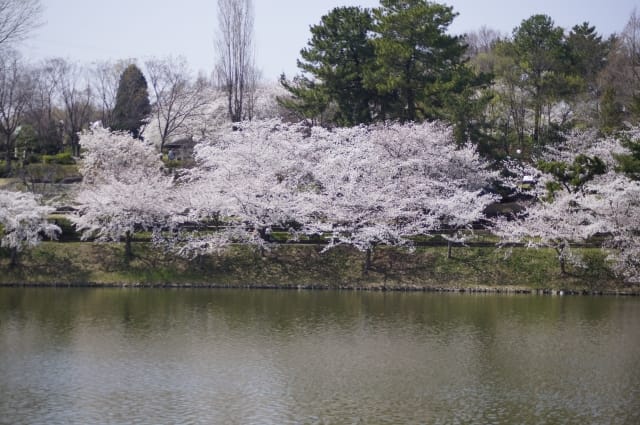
(339, 54)
(132, 107)
(392, 62)
(414, 55)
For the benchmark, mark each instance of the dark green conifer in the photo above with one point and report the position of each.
(132, 102)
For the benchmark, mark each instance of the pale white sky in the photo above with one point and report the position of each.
(93, 30)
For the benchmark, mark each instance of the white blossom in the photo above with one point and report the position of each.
(363, 186)
(124, 188)
(23, 221)
(607, 205)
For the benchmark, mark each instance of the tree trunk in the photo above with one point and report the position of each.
(13, 253)
(128, 252)
(411, 105)
(449, 250)
(537, 114)
(367, 261)
(75, 145)
(9, 156)
(561, 259)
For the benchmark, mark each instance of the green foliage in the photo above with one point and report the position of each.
(414, 55)
(537, 70)
(395, 62)
(132, 102)
(46, 139)
(611, 111)
(398, 61)
(26, 137)
(307, 99)
(339, 54)
(538, 46)
(630, 164)
(463, 100)
(572, 176)
(68, 231)
(587, 53)
(63, 158)
(290, 265)
(43, 173)
(541, 56)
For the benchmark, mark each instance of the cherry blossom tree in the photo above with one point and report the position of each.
(23, 222)
(618, 199)
(124, 189)
(601, 204)
(202, 222)
(556, 224)
(249, 176)
(116, 155)
(362, 186)
(383, 184)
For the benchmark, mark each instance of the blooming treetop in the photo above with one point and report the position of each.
(586, 142)
(386, 182)
(112, 209)
(116, 155)
(363, 185)
(250, 174)
(124, 188)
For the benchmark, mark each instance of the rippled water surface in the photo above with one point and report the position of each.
(78, 356)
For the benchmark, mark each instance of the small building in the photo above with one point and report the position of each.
(181, 148)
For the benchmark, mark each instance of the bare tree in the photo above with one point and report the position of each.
(42, 113)
(631, 40)
(176, 98)
(621, 77)
(18, 18)
(482, 41)
(76, 99)
(15, 93)
(253, 83)
(235, 63)
(106, 77)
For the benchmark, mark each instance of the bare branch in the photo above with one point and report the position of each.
(235, 66)
(177, 98)
(18, 18)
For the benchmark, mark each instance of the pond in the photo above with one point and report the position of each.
(150, 356)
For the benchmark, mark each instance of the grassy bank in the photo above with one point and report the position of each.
(304, 266)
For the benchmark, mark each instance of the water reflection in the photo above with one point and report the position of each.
(278, 357)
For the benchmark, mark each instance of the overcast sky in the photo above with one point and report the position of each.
(93, 30)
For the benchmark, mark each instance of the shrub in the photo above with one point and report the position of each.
(32, 158)
(42, 173)
(68, 230)
(63, 158)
